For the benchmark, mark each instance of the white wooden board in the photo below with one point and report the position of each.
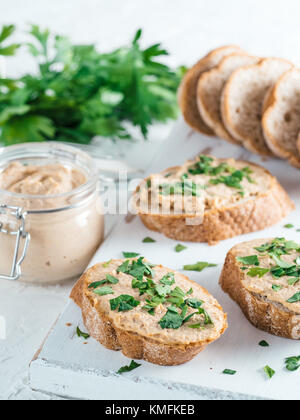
(66, 366)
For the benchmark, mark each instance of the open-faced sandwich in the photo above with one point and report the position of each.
(209, 199)
(263, 277)
(148, 311)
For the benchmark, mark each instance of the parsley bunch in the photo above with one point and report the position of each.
(77, 93)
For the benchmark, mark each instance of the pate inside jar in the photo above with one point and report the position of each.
(54, 187)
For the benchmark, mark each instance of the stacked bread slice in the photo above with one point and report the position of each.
(246, 100)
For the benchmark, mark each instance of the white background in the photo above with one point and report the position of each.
(187, 28)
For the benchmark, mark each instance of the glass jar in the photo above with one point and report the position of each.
(49, 239)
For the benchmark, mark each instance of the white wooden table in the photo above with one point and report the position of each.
(188, 29)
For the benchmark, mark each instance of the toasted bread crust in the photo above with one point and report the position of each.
(263, 314)
(202, 96)
(247, 140)
(187, 94)
(133, 346)
(252, 215)
(272, 99)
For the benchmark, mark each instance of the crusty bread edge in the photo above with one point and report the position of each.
(185, 96)
(218, 128)
(226, 116)
(270, 105)
(228, 222)
(132, 345)
(263, 314)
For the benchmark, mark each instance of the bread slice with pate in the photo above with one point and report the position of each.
(263, 277)
(187, 93)
(281, 120)
(243, 100)
(147, 311)
(209, 91)
(209, 200)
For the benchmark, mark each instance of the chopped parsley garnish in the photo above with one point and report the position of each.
(172, 319)
(276, 287)
(133, 365)
(229, 372)
(82, 334)
(102, 291)
(292, 363)
(269, 371)
(194, 303)
(130, 254)
(199, 266)
(263, 343)
(124, 303)
(295, 298)
(186, 187)
(289, 226)
(109, 279)
(137, 269)
(148, 240)
(180, 248)
(168, 279)
(250, 260)
(257, 272)
(106, 264)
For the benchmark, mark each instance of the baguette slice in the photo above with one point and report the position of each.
(187, 94)
(136, 332)
(209, 91)
(221, 198)
(243, 100)
(262, 297)
(281, 121)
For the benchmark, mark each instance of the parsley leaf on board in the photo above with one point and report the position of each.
(180, 248)
(130, 254)
(263, 343)
(199, 266)
(292, 363)
(229, 372)
(269, 371)
(133, 365)
(148, 240)
(82, 334)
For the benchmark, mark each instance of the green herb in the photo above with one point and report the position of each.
(130, 254)
(187, 188)
(196, 326)
(199, 266)
(229, 372)
(137, 269)
(257, 272)
(124, 303)
(5, 49)
(180, 248)
(295, 298)
(292, 282)
(109, 279)
(269, 371)
(194, 303)
(168, 279)
(102, 291)
(148, 240)
(172, 319)
(76, 93)
(281, 263)
(207, 318)
(289, 226)
(263, 343)
(133, 365)
(276, 287)
(292, 363)
(106, 264)
(251, 260)
(82, 334)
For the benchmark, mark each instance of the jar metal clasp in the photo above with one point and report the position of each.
(20, 233)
